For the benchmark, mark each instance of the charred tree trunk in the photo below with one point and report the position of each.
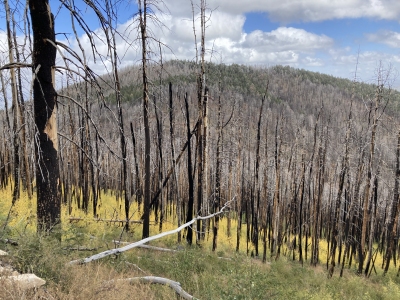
(256, 206)
(189, 216)
(45, 112)
(147, 175)
(217, 197)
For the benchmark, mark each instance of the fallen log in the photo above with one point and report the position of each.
(135, 266)
(176, 286)
(82, 248)
(146, 240)
(77, 219)
(146, 247)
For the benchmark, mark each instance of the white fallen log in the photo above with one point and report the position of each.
(176, 286)
(3, 253)
(146, 247)
(80, 248)
(157, 248)
(146, 240)
(77, 219)
(24, 281)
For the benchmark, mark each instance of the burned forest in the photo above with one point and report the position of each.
(267, 164)
(299, 157)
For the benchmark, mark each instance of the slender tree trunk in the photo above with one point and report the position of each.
(239, 187)
(160, 164)
(394, 212)
(21, 110)
(189, 216)
(174, 186)
(366, 207)
(15, 105)
(147, 175)
(217, 197)
(256, 206)
(138, 185)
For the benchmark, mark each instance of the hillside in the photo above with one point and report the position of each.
(308, 163)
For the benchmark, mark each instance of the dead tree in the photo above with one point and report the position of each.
(45, 112)
(394, 212)
(143, 7)
(366, 206)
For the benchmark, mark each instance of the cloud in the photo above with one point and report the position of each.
(227, 42)
(311, 10)
(301, 10)
(386, 37)
(220, 25)
(287, 38)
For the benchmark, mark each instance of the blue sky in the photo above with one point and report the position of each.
(345, 31)
(326, 36)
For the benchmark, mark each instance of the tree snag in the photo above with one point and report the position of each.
(45, 112)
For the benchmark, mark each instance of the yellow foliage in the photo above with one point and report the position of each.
(23, 220)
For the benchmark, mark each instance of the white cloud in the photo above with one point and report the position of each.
(314, 10)
(312, 62)
(228, 43)
(386, 37)
(300, 10)
(287, 38)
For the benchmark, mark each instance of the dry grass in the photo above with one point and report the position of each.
(89, 282)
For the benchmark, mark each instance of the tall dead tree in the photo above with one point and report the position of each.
(217, 197)
(394, 212)
(26, 178)
(366, 206)
(202, 97)
(45, 112)
(174, 186)
(256, 204)
(189, 216)
(110, 8)
(147, 175)
(15, 106)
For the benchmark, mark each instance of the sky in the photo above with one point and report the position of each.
(335, 37)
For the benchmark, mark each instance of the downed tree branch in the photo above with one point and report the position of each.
(77, 219)
(80, 248)
(157, 248)
(146, 240)
(176, 286)
(135, 266)
(146, 246)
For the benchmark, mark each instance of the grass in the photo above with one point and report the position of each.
(224, 274)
